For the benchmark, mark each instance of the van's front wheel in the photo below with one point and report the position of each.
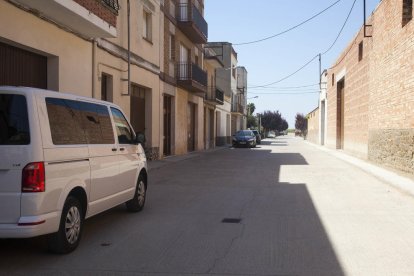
(70, 229)
(137, 203)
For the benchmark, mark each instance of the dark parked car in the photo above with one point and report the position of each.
(258, 136)
(245, 138)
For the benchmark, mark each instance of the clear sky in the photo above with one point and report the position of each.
(240, 21)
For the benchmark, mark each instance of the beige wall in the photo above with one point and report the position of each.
(144, 69)
(181, 129)
(69, 57)
(117, 68)
(313, 126)
(150, 51)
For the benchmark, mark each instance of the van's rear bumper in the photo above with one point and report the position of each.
(31, 226)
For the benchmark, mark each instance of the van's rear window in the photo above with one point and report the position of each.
(14, 121)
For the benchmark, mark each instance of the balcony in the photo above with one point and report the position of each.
(192, 23)
(191, 77)
(237, 108)
(214, 96)
(90, 18)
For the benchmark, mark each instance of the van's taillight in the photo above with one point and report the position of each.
(33, 178)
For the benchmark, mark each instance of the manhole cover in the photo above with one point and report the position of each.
(231, 220)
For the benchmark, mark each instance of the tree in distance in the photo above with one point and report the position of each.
(273, 120)
(301, 125)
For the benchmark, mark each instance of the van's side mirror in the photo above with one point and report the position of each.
(140, 138)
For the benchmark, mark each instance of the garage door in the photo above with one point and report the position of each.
(19, 67)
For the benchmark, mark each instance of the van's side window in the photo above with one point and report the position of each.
(76, 122)
(14, 122)
(65, 124)
(97, 123)
(124, 131)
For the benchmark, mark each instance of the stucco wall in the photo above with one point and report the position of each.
(313, 127)
(69, 57)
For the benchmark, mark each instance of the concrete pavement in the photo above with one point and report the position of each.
(284, 208)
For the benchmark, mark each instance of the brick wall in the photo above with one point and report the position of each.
(391, 116)
(378, 109)
(99, 9)
(354, 72)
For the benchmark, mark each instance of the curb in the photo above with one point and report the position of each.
(157, 164)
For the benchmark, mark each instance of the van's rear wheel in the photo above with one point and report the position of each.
(70, 228)
(137, 203)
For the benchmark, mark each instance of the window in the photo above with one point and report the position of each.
(407, 11)
(14, 121)
(233, 71)
(124, 131)
(74, 122)
(333, 79)
(106, 87)
(65, 122)
(172, 47)
(97, 123)
(360, 50)
(147, 26)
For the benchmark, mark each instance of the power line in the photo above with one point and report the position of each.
(336, 39)
(285, 93)
(286, 87)
(342, 28)
(288, 76)
(290, 29)
(285, 90)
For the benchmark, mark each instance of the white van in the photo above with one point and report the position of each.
(64, 158)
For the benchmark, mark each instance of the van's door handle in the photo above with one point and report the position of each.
(121, 149)
(114, 149)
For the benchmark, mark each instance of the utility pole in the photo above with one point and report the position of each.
(320, 70)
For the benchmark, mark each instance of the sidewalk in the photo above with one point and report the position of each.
(400, 182)
(156, 164)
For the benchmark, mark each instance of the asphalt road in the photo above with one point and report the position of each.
(283, 208)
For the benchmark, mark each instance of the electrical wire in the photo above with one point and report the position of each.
(347, 52)
(336, 39)
(291, 28)
(288, 76)
(342, 28)
(286, 87)
(285, 93)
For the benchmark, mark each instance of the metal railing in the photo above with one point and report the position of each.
(215, 94)
(188, 12)
(190, 71)
(238, 108)
(113, 4)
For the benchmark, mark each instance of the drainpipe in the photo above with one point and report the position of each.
(129, 49)
(93, 67)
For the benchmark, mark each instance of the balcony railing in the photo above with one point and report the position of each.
(191, 77)
(192, 22)
(113, 4)
(237, 108)
(215, 96)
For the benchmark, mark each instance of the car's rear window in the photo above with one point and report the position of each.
(14, 121)
(244, 133)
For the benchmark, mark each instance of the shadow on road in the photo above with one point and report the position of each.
(181, 230)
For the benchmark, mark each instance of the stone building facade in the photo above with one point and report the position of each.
(184, 80)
